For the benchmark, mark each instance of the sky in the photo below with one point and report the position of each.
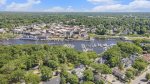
(75, 5)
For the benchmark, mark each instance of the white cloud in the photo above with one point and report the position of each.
(134, 6)
(2, 2)
(102, 1)
(21, 6)
(60, 9)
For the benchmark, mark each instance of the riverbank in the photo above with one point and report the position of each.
(119, 37)
(15, 36)
(8, 36)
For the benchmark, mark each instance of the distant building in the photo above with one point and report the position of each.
(18, 31)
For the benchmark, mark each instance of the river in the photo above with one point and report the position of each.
(77, 43)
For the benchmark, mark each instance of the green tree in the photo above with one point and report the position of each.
(147, 76)
(32, 78)
(88, 82)
(112, 56)
(17, 75)
(129, 74)
(46, 73)
(72, 79)
(129, 48)
(140, 64)
(102, 68)
(88, 75)
(53, 64)
(63, 80)
(3, 79)
(99, 82)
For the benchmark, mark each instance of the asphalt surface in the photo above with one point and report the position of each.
(141, 79)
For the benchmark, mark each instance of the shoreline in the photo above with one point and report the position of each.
(130, 38)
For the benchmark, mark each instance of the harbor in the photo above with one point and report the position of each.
(97, 45)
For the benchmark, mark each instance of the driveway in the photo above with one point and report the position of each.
(140, 79)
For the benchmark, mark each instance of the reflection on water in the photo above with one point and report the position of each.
(95, 45)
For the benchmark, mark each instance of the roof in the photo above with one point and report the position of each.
(55, 80)
(146, 57)
(118, 73)
(2, 30)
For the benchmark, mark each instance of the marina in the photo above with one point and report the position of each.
(97, 45)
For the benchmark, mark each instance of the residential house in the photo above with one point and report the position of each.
(127, 62)
(18, 30)
(116, 72)
(146, 57)
(79, 71)
(101, 60)
(55, 80)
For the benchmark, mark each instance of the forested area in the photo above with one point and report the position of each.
(17, 62)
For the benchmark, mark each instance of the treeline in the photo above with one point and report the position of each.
(17, 62)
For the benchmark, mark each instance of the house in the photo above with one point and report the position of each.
(83, 34)
(42, 37)
(101, 60)
(68, 34)
(55, 80)
(126, 31)
(127, 62)
(146, 57)
(35, 33)
(18, 30)
(116, 72)
(79, 71)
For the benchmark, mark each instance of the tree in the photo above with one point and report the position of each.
(31, 78)
(46, 73)
(88, 82)
(92, 55)
(140, 64)
(99, 82)
(83, 59)
(63, 80)
(88, 75)
(101, 68)
(53, 64)
(129, 74)
(3, 79)
(129, 48)
(147, 76)
(67, 77)
(17, 75)
(72, 79)
(112, 56)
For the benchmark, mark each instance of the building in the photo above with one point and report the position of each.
(55, 80)
(116, 72)
(79, 71)
(146, 57)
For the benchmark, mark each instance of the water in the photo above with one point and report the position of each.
(77, 44)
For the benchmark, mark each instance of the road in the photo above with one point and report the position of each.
(140, 79)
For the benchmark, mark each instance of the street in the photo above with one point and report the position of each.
(140, 79)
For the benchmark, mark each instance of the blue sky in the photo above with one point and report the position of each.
(76, 5)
